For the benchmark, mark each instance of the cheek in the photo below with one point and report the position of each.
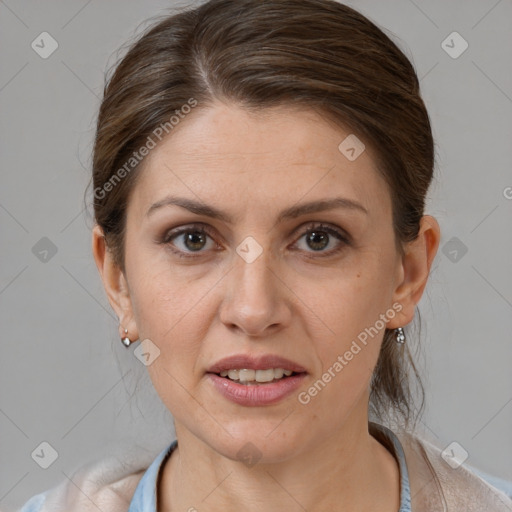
(347, 363)
(351, 300)
(352, 308)
(167, 314)
(161, 296)
(172, 311)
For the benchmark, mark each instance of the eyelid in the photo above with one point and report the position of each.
(173, 232)
(318, 225)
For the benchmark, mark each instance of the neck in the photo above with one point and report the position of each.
(349, 471)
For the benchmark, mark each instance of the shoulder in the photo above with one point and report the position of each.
(105, 484)
(438, 485)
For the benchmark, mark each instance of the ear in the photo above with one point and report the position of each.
(115, 284)
(413, 270)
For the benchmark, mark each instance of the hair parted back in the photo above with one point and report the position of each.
(257, 54)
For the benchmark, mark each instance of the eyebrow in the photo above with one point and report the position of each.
(290, 213)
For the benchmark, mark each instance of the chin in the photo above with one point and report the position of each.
(261, 442)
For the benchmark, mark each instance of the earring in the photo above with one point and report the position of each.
(400, 335)
(126, 341)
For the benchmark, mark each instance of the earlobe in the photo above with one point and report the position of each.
(415, 269)
(114, 281)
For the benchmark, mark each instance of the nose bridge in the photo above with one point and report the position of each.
(254, 301)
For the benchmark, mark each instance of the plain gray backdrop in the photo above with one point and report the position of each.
(65, 377)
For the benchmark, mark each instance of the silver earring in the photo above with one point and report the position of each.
(400, 335)
(126, 341)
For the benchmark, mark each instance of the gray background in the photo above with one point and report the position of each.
(62, 365)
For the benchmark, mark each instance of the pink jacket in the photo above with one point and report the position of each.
(436, 487)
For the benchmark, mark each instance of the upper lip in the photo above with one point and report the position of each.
(263, 362)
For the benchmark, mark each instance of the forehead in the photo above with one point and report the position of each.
(227, 154)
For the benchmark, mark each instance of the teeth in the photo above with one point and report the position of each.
(246, 375)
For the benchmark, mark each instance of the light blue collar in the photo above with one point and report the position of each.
(392, 442)
(144, 499)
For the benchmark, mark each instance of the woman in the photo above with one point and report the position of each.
(260, 172)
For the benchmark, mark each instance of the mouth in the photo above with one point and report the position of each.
(256, 380)
(249, 377)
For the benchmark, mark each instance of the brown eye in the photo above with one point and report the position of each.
(319, 237)
(194, 241)
(191, 239)
(317, 240)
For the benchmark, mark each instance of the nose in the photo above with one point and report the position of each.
(257, 298)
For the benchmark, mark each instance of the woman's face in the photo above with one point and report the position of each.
(258, 283)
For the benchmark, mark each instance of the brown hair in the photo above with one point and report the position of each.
(316, 54)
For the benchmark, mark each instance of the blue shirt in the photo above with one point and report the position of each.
(144, 498)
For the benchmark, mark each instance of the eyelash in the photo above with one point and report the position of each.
(198, 228)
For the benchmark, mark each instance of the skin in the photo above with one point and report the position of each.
(290, 301)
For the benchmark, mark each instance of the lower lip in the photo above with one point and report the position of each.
(256, 394)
